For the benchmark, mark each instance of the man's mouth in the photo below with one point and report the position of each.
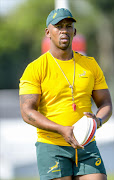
(64, 38)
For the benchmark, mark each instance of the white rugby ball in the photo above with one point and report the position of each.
(84, 130)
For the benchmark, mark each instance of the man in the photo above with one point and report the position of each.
(55, 92)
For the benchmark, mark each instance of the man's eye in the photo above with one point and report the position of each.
(58, 26)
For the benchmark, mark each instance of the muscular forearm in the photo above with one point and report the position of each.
(104, 112)
(38, 120)
(103, 101)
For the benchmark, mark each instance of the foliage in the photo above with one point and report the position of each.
(20, 35)
(105, 6)
(90, 16)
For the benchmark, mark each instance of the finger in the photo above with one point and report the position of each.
(79, 146)
(76, 144)
(90, 115)
(87, 113)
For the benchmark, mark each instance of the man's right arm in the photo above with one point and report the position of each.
(29, 105)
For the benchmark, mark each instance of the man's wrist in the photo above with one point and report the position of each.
(100, 120)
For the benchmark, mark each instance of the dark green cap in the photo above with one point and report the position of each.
(57, 15)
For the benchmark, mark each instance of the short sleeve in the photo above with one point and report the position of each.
(30, 82)
(100, 82)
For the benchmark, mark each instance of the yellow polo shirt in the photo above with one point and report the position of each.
(43, 76)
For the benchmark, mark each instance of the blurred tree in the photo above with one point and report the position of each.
(21, 33)
(105, 37)
(95, 19)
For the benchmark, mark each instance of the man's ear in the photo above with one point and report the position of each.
(47, 33)
(74, 31)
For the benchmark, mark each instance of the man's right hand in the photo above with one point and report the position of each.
(67, 133)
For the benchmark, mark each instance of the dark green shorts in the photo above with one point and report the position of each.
(59, 161)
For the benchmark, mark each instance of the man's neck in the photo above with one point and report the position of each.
(62, 54)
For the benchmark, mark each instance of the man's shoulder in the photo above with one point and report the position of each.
(83, 59)
(41, 59)
(83, 56)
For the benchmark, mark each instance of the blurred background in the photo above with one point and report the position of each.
(22, 39)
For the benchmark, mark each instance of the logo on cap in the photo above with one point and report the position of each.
(54, 15)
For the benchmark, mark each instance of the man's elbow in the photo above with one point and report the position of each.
(24, 115)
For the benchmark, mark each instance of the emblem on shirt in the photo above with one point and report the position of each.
(98, 162)
(53, 168)
(82, 74)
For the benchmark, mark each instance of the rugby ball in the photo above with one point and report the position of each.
(84, 130)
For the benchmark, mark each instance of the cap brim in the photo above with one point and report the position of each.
(55, 21)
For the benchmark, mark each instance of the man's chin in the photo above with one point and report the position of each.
(64, 47)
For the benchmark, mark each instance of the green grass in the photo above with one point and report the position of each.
(110, 177)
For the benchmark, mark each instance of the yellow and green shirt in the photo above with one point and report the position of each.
(43, 76)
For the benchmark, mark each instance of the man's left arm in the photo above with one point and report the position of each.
(103, 102)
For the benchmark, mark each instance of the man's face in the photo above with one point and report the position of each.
(62, 33)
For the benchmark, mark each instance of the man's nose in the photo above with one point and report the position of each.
(64, 29)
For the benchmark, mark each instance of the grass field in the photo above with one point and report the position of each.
(110, 177)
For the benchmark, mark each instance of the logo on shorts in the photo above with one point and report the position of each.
(98, 162)
(54, 167)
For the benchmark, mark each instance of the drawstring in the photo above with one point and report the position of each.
(76, 157)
